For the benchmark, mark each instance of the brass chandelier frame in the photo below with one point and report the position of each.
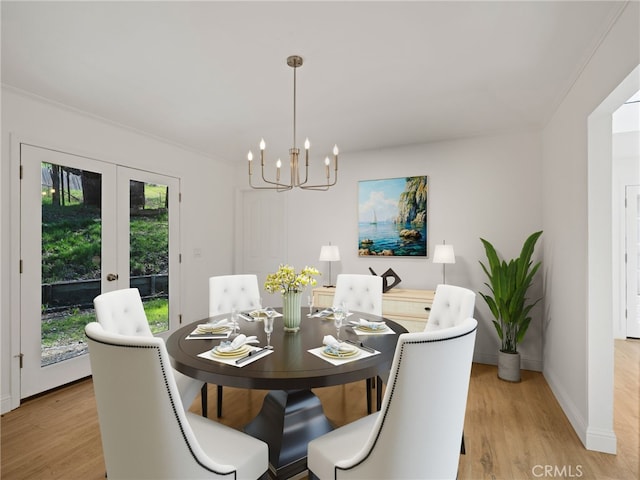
(294, 61)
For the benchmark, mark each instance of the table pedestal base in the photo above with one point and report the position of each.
(287, 422)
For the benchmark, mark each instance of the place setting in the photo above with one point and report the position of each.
(259, 314)
(238, 352)
(340, 311)
(366, 327)
(339, 352)
(212, 331)
(336, 351)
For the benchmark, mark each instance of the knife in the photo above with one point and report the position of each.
(251, 354)
(361, 346)
(207, 336)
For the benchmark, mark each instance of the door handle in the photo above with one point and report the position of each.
(111, 277)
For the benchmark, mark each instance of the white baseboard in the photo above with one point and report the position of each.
(576, 420)
(492, 359)
(600, 440)
(597, 440)
(5, 404)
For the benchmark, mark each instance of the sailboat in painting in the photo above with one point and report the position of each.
(375, 219)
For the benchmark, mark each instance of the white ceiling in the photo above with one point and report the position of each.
(212, 76)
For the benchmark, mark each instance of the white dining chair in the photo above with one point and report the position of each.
(451, 305)
(416, 434)
(122, 312)
(227, 292)
(145, 431)
(362, 293)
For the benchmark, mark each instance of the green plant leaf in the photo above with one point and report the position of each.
(509, 282)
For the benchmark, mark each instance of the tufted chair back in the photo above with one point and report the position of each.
(121, 312)
(233, 291)
(451, 305)
(424, 405)
(145, 431)
(362, 293)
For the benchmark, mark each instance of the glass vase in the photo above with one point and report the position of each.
(291, 311)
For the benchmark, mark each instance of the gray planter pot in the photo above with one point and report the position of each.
(509, 366)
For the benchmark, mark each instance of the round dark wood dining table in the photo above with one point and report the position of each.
(291, 414)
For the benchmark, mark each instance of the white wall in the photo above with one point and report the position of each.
(486, 187)
(206, 212)
(578, 346)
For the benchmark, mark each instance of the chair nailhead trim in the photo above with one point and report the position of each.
(173, 405)
(393, 388)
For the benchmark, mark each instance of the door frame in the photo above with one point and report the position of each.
(11, 329)
(632, 192)
(34, 378)
(123, 175)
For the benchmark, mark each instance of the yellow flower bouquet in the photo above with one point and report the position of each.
(286, 280)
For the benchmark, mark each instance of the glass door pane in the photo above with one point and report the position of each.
(149, 249)
(148, 243)
(71, 252)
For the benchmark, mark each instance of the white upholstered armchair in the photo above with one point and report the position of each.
(227, 292)
(122, 312)
(416, 434)
(146, 434)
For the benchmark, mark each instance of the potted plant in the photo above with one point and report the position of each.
(508, 302)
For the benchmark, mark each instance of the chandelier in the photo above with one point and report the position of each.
(294, 62)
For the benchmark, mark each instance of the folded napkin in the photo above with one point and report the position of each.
(237, 342)
(367, 324)
(334, 344)
(208, 327)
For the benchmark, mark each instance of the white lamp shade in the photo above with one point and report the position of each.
(444, 254)
(329, 253)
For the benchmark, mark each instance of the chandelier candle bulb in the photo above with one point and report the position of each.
(250, 158)
(278, 165)
(307, 145)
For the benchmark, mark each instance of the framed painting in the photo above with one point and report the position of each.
(392, 217)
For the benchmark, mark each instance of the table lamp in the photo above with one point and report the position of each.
(329, 253)
(443, 254)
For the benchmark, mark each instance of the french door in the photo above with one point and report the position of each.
(88, 227)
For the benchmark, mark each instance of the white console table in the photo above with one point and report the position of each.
(407, 307)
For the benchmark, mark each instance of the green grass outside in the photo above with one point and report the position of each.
(71, 250)
(69, 328)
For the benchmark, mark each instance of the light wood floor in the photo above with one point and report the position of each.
(512, 431)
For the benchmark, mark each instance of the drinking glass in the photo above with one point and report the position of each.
(268, 325)
(338, 316)
(268, 328)
(235, 326)
(345, 309)
(310, 300)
